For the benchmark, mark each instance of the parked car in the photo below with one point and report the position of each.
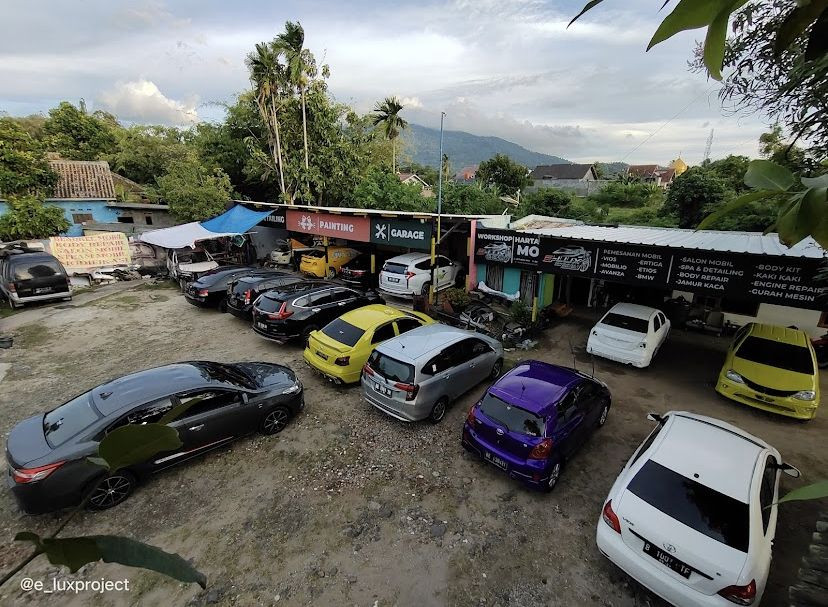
(417, 375)
(772, 368)
(210, 290)
(314, 262)
(534, 418)
(630, 334)
(186, 265)
(243, 292)
(410, 274)
(47, 453)
(284, 315)
(692, 516)
(357, 272)
(341, 348)
(29, 277)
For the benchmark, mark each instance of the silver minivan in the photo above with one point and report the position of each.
(416, 375)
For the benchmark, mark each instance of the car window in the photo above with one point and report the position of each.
(43, 268)
(741, 333)
(395, 268)
(406, 324)
(343, 332)
(512, 417)
(204, 401)
(391, 368)
(768, 489)
(343, 295)
(382, 333)
(662, 318)
(567, 406)
(439, 363)
(423, 265)
(588, 391)
(460, 352)
(61, 424)
(776, 354)
(656, 323)
(443, 261)
(716, 515)
(146, 414)
(321, 298)
(630, 323)
(646, 444)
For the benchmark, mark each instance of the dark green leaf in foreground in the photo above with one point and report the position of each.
(133, 444)
(814, 491)
(126, 551)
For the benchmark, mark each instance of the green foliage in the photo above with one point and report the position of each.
(387, 118)
(814, 491)
(521, 313)
(731, 171)
(502, 172)
(131, 444)
(80, 136)
(380, 189)
(145, 152)
(692, 195)
(552, 202)
(633, 194)
(469, 199)
(193, 191)
(28, 218)
(426, 173)
(458, 298)
(648, 216)
(23, 165)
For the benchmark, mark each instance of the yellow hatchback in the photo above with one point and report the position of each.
(342, 347)
(313, 262)
(772, 368)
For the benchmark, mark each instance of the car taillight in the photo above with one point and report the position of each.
(541, 450)
(31, 475)
(203, 293)
(410, 390)
(610, 517)
(247, 295)
(282, 314)
(343, 361)
(409, 275)
(470, 418)
(741, 595)
(367, 370)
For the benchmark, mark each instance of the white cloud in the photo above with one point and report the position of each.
(411, 102)
(143, 101)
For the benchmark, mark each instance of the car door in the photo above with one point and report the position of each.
(445, 272)
(590, 404)
(150, 412)
(323, 307)
(569, 418)
(665, 326)
(437, 377)
(481, 359)
(768, 494)
(460, 367)
(406, 324)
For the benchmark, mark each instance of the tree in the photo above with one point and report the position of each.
(145, 152)
(552, 202)
(28, 218)
(383, 190)
(693, 195)
(777, 149)
(504, 173)
(300, 65)
(23, 165)
(194, 191)
(77, 135)
(427, 173)
(387, 114)
(468, 199)
(628, 194)
(731, 171)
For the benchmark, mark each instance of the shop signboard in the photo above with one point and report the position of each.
(410, 233)
(329, 224)
(276, 219)
(509, 248)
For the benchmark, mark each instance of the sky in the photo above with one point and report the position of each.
(508, 68)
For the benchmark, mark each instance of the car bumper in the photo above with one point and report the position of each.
(784, 405)
(534, 474)
(636, 359)
(45, 297)
(648, 574)
(40, 497)
(335, 373)
(201, 302)
(244, 313)
(277, 337)
(402, 292)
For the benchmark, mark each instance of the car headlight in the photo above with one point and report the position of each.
(293, 389)
(805, 395)
(733, 376)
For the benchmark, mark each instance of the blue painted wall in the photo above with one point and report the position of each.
(97, 208)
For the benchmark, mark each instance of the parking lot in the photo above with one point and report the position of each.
(351, 507)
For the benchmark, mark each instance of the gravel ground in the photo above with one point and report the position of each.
(348, 506)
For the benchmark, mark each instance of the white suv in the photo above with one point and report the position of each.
(692, 515)
(410, 274)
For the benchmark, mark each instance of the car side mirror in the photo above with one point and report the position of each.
(245, 397)
(790, 470)
(655, 417)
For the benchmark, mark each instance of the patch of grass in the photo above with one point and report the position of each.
(32, 335)
(6, 311)
(156, 286)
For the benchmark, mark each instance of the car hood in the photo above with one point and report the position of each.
(199, 266)
(26, 442)
(772, 377)
(268, 375)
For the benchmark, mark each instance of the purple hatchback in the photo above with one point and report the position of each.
(534, 418)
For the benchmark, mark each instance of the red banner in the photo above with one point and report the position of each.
(328, 224)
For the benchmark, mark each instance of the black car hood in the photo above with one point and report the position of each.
(26, 442)
(269, 375)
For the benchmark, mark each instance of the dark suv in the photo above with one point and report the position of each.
(281, 316)
(210, 289)
(32, 276)
(357, 272)
(243, 292)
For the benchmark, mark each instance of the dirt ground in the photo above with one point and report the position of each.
(349, 506)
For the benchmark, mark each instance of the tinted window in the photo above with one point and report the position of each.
(40, 269)
(478, 347)
(343, 332)
(321, 298)
(148, 414)
(383, 333)
(443, 262)
(406, 324)
(204, 401)
(395, 268)
(766, 492)
(776, 354)
(646, 444)
(566, 408)
(391, 368)
(662, 318)
(70, 418)
(438, 364)
(343, 295)
(587, 391)
(317, 254)
(714, 514)
(423, 265)
(657, 323)
(513, 418)
(266, 304)
(639, 325)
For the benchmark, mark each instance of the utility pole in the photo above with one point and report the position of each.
(708, 146)
(433, 290)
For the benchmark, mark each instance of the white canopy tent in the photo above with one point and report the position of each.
(179, 237)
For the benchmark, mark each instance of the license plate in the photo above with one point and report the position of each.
(322, 356)
(393, 279)
(667, 560)
(384, 390)
(261, 325)
(497, 461)
(43, 290)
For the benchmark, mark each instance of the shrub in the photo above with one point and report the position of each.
(458, 298)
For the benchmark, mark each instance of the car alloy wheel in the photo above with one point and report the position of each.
(496, 369)
(425, 289)
(604, 412)
(331, 273)
(438, 411)
(111, 491)
(276, 421)
(554, 475)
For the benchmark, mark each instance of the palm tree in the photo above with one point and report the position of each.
(299, 62)
(267, 76)
(387, 114)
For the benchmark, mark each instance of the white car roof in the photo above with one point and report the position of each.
(633, 310)
(712, 452)
(407, 258)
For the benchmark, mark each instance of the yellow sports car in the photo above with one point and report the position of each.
(342, 347)
(772, 368)
(313, 262)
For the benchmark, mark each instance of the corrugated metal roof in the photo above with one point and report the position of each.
(708, 240)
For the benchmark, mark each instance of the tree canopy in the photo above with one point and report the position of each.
(503, 173)
(194, 191)
(77, 135)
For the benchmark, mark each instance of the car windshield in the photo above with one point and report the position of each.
(343, 332)
(514, 418)
(776, 354)
(314, 254)
(716, 515)
(40, 269)
(391, 368)
(268, 304)
(630, 323)
(61, 424)
(227, 374)
(395, 268)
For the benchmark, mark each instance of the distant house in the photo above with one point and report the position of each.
(570, 172)
(652, 173)
(466, 174)
(416, 180)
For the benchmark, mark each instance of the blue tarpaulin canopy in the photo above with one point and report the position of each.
(237, 220)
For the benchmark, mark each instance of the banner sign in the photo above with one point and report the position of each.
(411, 233)
(787, 281)
(96, 251)
(275, 220)
(328, 224)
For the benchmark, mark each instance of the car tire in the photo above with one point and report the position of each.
(182, 284)
(554, 476)
(112, 490)
(222, 307)
(425, 290)
(602, 419)
(438, 411)
(497, 369)
(331, 273)
(276, 420)
(306, 334)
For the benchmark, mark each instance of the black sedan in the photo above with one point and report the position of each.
(284, 315)
(47, 453)
(210, 290)
(357, 272)
(243, 292)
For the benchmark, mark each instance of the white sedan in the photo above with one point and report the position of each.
(692, 516)
(629, 334)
